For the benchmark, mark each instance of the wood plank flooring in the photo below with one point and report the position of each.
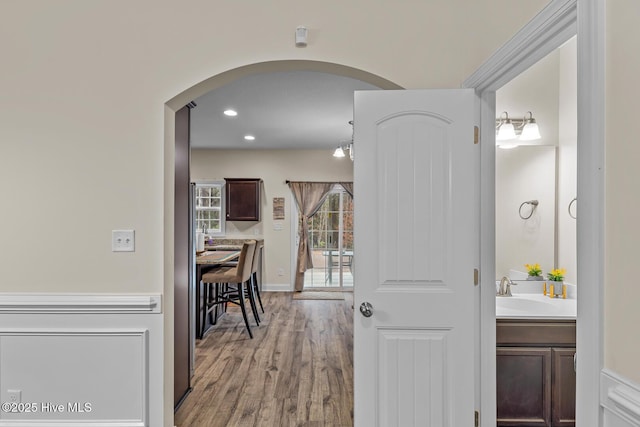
(296, 371)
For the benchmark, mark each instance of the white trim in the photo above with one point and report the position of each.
(277, 287)
(591, 202)
(79, 303)
(554, 25)
(620, 397)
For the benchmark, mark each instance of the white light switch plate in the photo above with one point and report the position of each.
(123, 241)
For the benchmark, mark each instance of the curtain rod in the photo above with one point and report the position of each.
(317, 182)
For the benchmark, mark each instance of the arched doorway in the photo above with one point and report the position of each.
(176, 267)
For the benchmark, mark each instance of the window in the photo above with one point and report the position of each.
(210, 207)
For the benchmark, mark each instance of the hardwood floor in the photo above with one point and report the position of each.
(296, 371)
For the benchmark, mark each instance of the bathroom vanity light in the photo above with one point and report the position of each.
(507, 129)
(530, 129)
(504, 128)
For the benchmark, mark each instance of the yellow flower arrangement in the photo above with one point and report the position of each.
(557, 274)
(533, 269)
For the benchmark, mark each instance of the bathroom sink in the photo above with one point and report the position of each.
(524, 306)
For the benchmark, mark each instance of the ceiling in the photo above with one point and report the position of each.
(283, 110)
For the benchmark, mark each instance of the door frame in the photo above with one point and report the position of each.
(555, 24)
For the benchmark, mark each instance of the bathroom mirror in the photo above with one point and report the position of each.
(543, 170)
(523, 174)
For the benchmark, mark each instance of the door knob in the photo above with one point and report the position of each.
(366, 309)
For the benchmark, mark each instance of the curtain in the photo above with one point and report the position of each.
(309, 196)
(348, 187)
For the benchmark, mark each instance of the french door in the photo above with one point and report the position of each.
(331, 243)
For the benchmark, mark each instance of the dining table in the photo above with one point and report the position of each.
(206, 261)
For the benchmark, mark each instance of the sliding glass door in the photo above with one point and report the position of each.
(331, 242)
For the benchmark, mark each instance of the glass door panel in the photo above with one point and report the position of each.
(331, 242)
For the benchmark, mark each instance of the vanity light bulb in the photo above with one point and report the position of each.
(506, 131)
(530, 132)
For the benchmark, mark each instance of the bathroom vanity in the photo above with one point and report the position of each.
(536, 380)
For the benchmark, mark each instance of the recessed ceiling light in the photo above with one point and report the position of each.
(249, 138)
(231, 113)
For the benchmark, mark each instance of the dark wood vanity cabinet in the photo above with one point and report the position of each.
(563, 382)
(536, 381)
(242, 199)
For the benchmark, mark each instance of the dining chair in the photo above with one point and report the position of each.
(255, 266)
(225, 285)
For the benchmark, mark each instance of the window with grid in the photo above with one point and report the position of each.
(334, 217)
(210, 208)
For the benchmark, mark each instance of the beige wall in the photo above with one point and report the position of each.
(82, 118)
(82, 109)
(82, 112)
(622, 345)
(274, 167)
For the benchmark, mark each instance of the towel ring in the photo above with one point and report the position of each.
(575, 199)
(533, 203)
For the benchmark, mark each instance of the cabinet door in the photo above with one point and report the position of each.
(523, 386)
(563, 403)
(243, 199)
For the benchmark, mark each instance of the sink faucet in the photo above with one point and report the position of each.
(504, 290)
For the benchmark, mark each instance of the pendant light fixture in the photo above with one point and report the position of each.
(339, 152)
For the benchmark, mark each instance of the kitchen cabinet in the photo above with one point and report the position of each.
(535, 372)
(242, 199)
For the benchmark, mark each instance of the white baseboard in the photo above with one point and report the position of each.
(620, 398)
(277, 287)
(82, 360)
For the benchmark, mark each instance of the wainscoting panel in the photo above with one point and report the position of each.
(81, 360)
(620, 399)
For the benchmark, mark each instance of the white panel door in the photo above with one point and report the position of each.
(417, 240)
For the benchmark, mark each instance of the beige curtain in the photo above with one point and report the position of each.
(348, 187)
(309, 197)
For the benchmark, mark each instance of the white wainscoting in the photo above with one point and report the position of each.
(620, 399)
(92, 360)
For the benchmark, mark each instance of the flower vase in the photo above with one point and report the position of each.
(557, 288)
(534, 278)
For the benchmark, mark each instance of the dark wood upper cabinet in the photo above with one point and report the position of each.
(243, 199)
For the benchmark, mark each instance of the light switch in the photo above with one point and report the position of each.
(123, 241)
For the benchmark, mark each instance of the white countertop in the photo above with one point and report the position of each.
(535, 306)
